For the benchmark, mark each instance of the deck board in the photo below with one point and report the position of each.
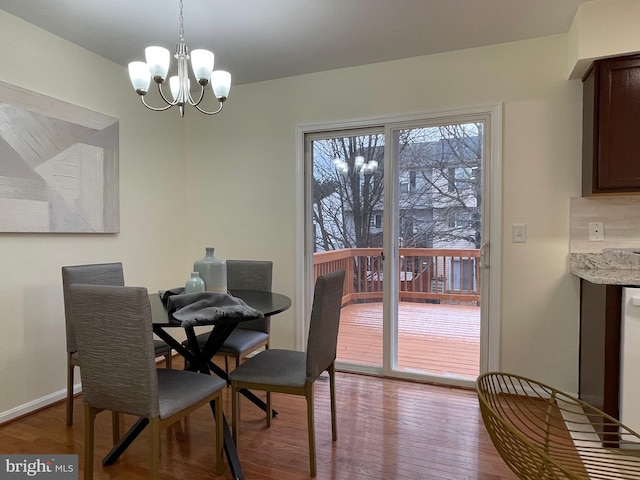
(432, 338)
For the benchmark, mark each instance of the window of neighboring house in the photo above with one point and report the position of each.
(408, 226)
(378, 220)
(459, 219)
(408, 182)
(404, 182)
(459, 178)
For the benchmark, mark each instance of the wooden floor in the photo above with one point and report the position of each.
(434, 338)
(387, 429)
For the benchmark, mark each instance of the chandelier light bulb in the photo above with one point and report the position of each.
(140, 77)
(178, 95)
(221, 84)
(202, 65)
(158, 59)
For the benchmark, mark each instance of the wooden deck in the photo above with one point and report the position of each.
(432, 338)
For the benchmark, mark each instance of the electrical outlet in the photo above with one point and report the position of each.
(596, 231)
(519, 233)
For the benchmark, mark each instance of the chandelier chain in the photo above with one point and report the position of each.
(181, 19)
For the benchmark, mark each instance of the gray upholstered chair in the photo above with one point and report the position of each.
(113, 331)
(248, 336)
(293, 372)
(93, 274)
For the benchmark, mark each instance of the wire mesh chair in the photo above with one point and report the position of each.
(542, 433)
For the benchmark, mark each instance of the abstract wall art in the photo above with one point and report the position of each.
(58, 166)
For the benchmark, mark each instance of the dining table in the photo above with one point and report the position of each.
(200, 359)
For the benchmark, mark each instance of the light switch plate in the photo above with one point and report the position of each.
(519, 233)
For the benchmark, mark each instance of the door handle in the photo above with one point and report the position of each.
(485, 255)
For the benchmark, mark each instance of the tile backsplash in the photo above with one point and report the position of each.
(621, 217)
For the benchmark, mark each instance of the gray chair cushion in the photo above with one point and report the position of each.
(274, 367)
(240, 341)
(160, 346)
(178, 389)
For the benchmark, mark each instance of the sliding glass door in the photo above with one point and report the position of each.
(401, 207)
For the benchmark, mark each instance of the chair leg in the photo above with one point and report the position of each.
(311, 428)
(70, 368)
(168, 360)
(89, 419)
(332, 389)
(237, 360)
(115, 427)
(154, 454)
(219, 436)
(235, 412)
(226, 363)
(269, 410)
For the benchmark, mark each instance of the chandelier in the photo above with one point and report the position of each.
(157, 67)
(359, 166)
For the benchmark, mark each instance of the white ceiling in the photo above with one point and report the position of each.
(265, 39)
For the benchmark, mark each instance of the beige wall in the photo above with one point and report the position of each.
(602, 28)
(230, 183)
(242, 167)
(152, 177)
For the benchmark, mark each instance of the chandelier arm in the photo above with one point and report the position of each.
(171, 104)
(155, 109)
(209, 113)
(194, 103)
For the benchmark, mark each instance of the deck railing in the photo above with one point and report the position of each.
(425, 274)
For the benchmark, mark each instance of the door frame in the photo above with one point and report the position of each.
(490, 284)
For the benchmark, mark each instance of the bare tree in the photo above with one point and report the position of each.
(440, 174)
(350, 195)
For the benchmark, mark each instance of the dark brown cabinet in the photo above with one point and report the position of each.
(611, 126)
(600, 328)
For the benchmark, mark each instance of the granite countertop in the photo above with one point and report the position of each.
(611, 267)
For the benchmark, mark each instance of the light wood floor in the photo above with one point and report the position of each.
(387, 430)
(435, 338)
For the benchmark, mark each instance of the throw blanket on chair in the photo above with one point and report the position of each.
(189, 308)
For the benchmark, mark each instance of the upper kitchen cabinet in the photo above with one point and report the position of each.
(611, 126)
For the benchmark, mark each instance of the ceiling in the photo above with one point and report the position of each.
(260, 40)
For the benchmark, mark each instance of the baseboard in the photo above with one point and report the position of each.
(42, 402)
(37, 404)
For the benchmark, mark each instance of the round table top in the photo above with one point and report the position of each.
(269, 303)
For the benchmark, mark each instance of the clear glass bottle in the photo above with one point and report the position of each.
(213, 271)
(194, 284)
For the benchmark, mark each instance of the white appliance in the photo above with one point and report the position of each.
(630, 359)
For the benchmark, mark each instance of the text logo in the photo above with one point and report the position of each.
(50, 467)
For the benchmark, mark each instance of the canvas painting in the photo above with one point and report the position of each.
(58, 166)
